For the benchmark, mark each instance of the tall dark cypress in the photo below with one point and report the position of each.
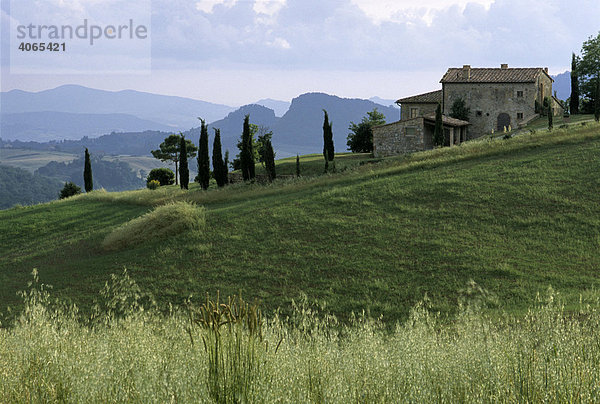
(597, 101)
(247, 153)
(270, 160)
(203, 161)
(88, 181)
(226, 167)
(550, 117)
(184, 170)
(328, 147)
(244, 152)
(574, 101)
(217, 160)
(438, 133)
(297, 165)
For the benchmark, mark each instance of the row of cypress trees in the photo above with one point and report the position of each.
(220, 170)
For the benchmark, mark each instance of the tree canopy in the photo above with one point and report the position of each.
(588, 70)
(459, 110)
(360, 140)
(168, 151)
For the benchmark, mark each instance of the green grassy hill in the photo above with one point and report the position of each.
(515, 216)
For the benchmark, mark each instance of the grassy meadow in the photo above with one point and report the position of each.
(462, 274)
(515, 216)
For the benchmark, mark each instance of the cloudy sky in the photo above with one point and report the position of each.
(239, 51)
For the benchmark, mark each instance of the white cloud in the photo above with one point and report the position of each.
(208, 6)
(268, 7)
(280, 43)
(409, 10)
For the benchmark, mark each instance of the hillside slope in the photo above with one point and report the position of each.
(514, 216)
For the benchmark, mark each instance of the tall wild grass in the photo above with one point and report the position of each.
(228, 353)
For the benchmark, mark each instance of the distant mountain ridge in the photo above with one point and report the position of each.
(177, 113)
(51, 125)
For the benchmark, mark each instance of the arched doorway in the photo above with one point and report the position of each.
(503, 122)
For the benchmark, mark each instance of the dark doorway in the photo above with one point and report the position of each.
(503, 122)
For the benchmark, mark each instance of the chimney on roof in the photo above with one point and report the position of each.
(546, 70)
(504, 66)
(466, 72)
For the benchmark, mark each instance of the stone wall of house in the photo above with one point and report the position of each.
(488, 100)
(423, 109)
(394, 138)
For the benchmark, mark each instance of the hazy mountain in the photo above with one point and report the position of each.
(231, 126)
(177, 113)
(280, 107)
(562, 85)
(49, 125)
(300, 130)
(384, 102)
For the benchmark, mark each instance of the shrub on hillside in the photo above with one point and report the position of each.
(164, 176)
(70, 189)
(163, 221)
(153, 184)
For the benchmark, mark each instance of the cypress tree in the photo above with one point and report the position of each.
(297, 165)
(184, 170)
(574, 101)
(270, 160)
(203, 162)
(328, 147)
(438, 133)
(247, 153)
(226, 167)
(550, 117)
(597, 101)
(217, 160)
(87, 173)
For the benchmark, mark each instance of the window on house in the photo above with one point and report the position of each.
(520, 94)
(479, 113)
(414, 112)
(411, 131)
(519, 115)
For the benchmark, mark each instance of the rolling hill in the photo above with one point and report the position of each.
(514, 216)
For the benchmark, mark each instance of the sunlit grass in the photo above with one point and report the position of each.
(138, 355)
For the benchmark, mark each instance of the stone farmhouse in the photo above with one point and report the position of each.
(498, 98)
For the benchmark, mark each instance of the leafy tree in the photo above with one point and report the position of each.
(18, 186)
(589, 72)
(297, 165)
(163, 175)
(237, 161)
(438, 133)
(184, 170)
(550, 117)
(574, 100)
(247, 151)
(361, 138)
(70, 189)
(460, 110)
(264, 138)
(203, 162)
(328, 147)
(269, 157)
(169, 151)
(219, 165)
(87, 173)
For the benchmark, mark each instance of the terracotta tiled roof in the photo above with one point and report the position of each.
(434, 97)
(487, 75)
(447, 120)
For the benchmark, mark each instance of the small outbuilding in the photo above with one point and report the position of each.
(415, 134)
